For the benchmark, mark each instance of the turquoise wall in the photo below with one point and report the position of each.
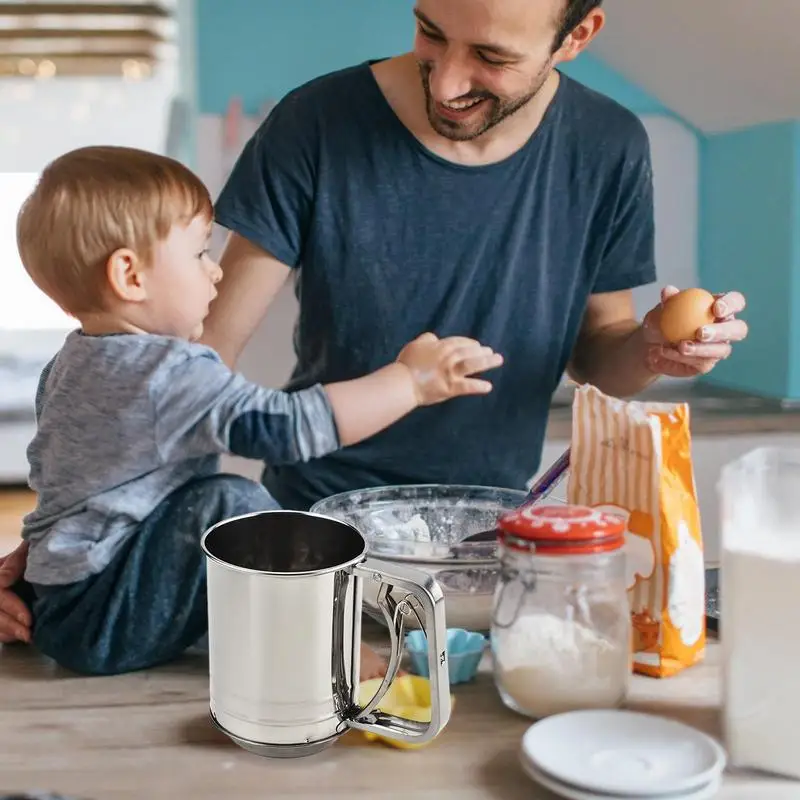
(794, 313)
(749, 219)
(261, 49)
(593, 72)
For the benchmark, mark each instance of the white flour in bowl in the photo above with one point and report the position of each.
(389, 526)
(548, 665)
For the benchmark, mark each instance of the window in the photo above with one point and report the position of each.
(22, 305)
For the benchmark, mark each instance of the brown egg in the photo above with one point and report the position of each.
(684, 313)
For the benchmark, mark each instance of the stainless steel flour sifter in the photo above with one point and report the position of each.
(284, 633)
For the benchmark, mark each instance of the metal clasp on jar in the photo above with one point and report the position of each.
(526, 583)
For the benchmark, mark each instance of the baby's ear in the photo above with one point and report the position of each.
(126, 278)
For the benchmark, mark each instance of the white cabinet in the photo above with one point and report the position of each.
(14, 440)
(710, 454)
(675, 153)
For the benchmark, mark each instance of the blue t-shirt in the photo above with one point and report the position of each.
(389, 240)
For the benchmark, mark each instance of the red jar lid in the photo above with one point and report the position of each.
(562, 530)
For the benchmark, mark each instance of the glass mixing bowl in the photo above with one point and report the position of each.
(419, 524)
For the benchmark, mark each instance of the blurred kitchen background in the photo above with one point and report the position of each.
(714, 83)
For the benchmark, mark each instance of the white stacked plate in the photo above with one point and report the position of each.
(600, 755)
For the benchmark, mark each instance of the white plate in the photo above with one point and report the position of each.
(706, 792)
(623, 753)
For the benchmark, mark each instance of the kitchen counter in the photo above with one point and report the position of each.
(714, 411)
(147, 736)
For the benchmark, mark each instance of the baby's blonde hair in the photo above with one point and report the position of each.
(93, 201)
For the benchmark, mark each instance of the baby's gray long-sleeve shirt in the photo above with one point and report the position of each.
(123, 420)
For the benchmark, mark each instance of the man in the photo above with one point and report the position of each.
(467, 187)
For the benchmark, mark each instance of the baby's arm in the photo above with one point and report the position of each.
(428, 370)
(201, 407)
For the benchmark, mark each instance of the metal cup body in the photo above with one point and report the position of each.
(283, 616)
(284, 632)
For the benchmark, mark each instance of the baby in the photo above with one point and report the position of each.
(132, 413)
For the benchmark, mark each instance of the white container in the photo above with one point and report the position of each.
(760, 601)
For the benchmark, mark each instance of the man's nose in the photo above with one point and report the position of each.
(450, 77)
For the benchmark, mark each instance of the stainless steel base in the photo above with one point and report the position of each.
(276, 750)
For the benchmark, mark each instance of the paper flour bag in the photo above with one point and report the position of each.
(634, 459)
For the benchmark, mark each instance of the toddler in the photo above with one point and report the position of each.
(132, 413)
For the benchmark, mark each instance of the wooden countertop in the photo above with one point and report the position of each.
(147, 736)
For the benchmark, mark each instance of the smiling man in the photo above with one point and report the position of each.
(517, 73)
(467, 187)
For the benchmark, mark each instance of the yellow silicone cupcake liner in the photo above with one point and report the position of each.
(408, 697)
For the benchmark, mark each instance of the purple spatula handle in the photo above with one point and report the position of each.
(539, 491)
(549, 480)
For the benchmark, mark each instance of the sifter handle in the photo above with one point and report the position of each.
(420, 591)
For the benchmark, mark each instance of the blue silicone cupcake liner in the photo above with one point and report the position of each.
(464, 653)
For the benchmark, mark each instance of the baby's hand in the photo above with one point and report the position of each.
(440, 367)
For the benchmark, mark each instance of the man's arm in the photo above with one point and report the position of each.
(266, 204)
(612, 350)
(251, 279)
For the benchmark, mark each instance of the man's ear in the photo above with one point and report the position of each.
(581, 36)
(126, 275)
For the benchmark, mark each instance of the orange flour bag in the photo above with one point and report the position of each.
(634, 459)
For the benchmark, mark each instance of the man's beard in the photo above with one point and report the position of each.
(494, 109)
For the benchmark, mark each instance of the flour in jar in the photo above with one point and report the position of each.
(548, 665)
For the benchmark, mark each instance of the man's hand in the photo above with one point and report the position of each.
(713, 343)
(15, 617)
(441, 368)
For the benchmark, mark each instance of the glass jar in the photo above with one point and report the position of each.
(561, 623)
